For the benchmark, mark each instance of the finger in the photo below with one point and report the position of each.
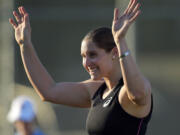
(131, 8)
(11, 21)
(26, 18)
(116, 14)
(23, 10)
(25, 15)
(130, 3)
(135, 10)
(136, 7)
(17, 17)
(135, 16)
(20, 11)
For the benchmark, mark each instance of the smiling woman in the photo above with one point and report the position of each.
(97, 48)
(97, 61)
(118, 95)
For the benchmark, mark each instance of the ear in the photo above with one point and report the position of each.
(114, 52)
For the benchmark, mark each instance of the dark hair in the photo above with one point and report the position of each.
(102, 37)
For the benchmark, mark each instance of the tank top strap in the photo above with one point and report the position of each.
(99, 91)
(118, 87)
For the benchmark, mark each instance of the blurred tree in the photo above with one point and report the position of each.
(6, 64)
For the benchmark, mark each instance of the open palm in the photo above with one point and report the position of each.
(22, 27)
(121, 24)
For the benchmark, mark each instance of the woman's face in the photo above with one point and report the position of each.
(96, 61)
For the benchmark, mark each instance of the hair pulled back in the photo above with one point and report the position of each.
(102, 37)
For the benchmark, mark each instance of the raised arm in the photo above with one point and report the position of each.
(137, 87)
(72, 94)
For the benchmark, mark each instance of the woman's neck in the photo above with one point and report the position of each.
(111, 82)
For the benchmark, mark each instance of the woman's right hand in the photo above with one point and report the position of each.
(22, 27)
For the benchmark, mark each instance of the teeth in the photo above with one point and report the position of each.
(92, 69)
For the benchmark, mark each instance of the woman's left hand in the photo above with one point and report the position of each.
(121, 24)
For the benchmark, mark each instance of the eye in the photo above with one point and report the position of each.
(92, 54)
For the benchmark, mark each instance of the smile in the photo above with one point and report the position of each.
(92, 70)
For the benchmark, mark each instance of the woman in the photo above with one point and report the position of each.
(23, 115)
(118, 95)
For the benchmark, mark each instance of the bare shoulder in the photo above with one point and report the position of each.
(92, 86)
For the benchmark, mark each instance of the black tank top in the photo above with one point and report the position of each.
(107, 117)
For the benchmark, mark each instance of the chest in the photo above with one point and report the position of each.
(107, 117)
(103, 116)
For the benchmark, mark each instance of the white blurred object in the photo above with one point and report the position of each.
(22, 108)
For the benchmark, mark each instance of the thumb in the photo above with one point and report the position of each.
(116, 14)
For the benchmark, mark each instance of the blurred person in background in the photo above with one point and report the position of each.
(117, 93)
(23, 116)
